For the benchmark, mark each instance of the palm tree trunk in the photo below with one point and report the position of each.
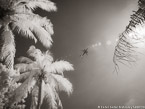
(39, 94)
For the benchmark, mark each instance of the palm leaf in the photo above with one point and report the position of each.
(22, 90)
(31, 50)
(45, 23)
(22, 67)
(49, 97)
(23, 59)
(22, 25)
(7, 48)
(21, 77)
(33, 4)
(60, 66)
(31, 26)
(43, 36)
(62, 84)
(58, 101)
(43, 4)
(128, 47)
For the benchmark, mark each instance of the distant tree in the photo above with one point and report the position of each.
(19, 16)
(126, 50)
(42, 78)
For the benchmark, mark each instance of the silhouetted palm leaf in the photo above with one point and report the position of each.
(127, 48)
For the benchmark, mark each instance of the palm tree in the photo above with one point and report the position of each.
(18, 16)
(127, 48)
(42, 78)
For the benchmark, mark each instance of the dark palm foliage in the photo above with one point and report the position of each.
(131, 39)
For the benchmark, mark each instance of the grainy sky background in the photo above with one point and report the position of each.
(79, 24)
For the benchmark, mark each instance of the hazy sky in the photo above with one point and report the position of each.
(79, 24)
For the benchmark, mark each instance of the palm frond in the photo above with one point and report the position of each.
(21, 77)
(46, 24)
(43, 36)
(62, 84)
(58, 101)
(60, 66)
(141, 4)
(50, 96)
(31, 26)
(22, 91)
(31, 50)
(22, 26)
(23, 59)
(22, 67)
(43, 4)
(128, 46)
(7, 48)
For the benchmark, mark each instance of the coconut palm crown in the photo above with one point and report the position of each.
(18, 16)
(43, 78)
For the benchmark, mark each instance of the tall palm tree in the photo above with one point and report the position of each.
(42, 78)
(130, 40)
(18, 16)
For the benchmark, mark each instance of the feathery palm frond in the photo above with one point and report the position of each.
(22, 67)
(21, 77)
(42, 36)
(28, 4)
(43, 4)
(127, 48)
(46, 5)
(23, 59)
(7, 48)
(62, 84)
(50, 96)
(31, 50)
(22, 91)
(34, 27)
(60, 66)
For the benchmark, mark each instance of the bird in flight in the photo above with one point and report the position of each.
(84, 52)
